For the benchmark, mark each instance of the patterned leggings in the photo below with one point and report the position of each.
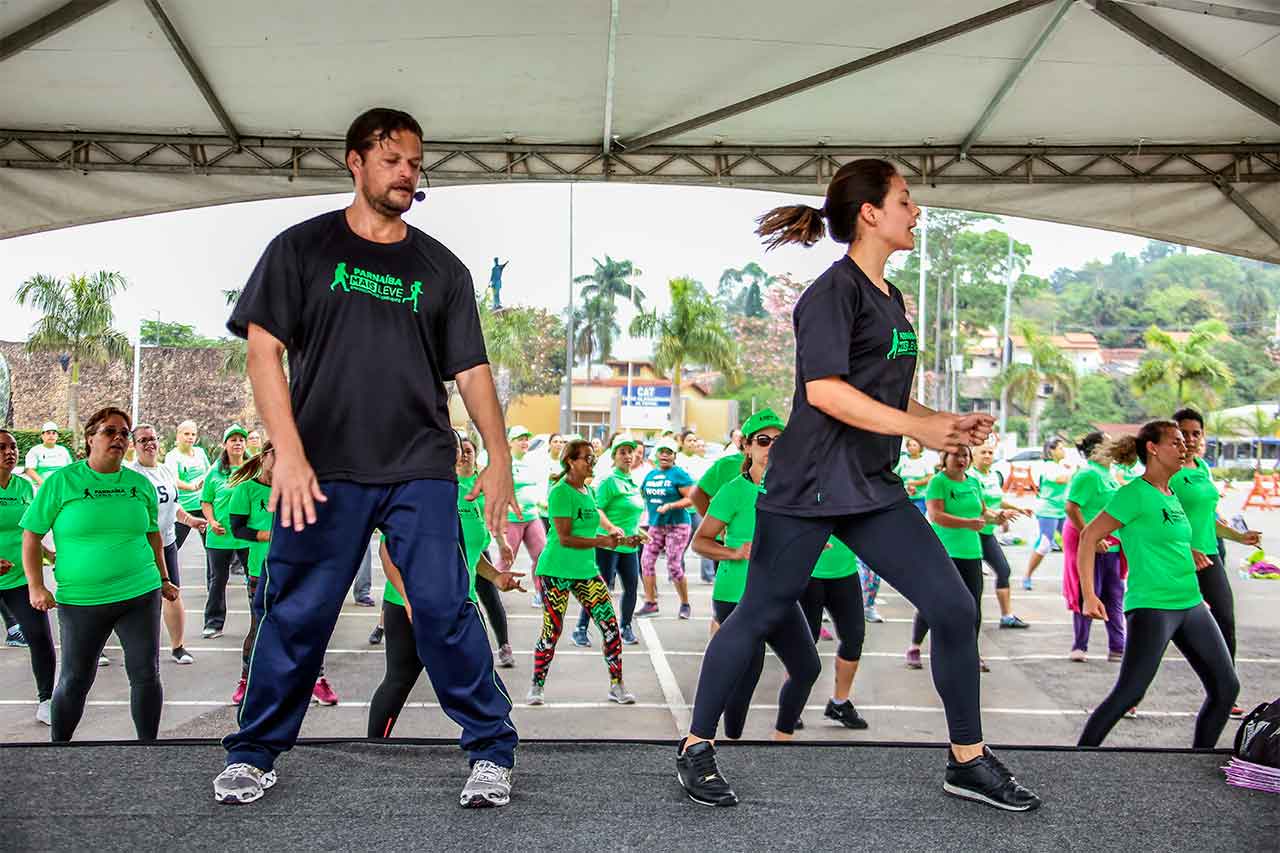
(674, 539)
(593, 595)
(870, 584)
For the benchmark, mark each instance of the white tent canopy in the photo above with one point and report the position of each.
(1154, 117)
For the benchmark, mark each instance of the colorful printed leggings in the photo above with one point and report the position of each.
(593, 595)
(674, 539)
(870, 584)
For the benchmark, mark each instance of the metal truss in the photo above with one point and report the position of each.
(727, 165)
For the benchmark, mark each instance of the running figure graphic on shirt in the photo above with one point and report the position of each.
(414, 292)
(340, 278)
(902, 344)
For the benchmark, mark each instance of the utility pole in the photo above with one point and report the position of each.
(566, 394)
(1005, 346)
(921, 326)
(955, 362)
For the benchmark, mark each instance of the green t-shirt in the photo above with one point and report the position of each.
(721, 471)
(46, 460)
(963, 499)
(14, 500)
(1053, 496)
(1124, 474)
(735, 505)
(992, 484)
(1199, 496)
(250, 498)
(1156, 536)
(475, 536)
(1091, 489)
(188, 468)
(527, 476)
(619, 498)
(557, 561)
(836, 562)
(218, 493)
(100, 524)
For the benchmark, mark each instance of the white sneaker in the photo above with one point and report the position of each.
(242, 783)
(489, 785)
(619, 693)
(182, 656)
(44, 714)
(535, 696)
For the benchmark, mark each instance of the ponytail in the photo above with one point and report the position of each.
(251, 468)
(796, 223)
(858, 182)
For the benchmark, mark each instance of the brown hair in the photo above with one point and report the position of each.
(942, 457)
(96, 419)
(1128, 448)
(570, 453)
(251, 468)
(854, 184)
(371, 127)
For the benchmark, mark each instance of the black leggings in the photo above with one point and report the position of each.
(735, 712)
(35, 627)
(902, 547)
(403, 669)
(843, 599)
(1216, 590)
(491, 600)
(1197, 636)
(217, 572)
(613, 564)
(84, 630)
(993, 556)
(971, 573)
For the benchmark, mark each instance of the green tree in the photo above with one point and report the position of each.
(595, 323)
(691, 332)
(1187, 368)
(525, 348)
(76, 322)
(610, 280)
(163, 334)
(1097, 401)
(741, 291)
(1047, 375)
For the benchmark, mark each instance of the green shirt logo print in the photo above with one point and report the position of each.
(388, 288)
(902, 344)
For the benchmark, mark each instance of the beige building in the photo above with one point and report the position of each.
(639, 402)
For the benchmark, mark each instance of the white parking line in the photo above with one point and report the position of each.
(666, 678)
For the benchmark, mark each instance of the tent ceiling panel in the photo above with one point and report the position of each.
(1237, 47)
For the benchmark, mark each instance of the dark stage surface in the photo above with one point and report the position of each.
(354, 795)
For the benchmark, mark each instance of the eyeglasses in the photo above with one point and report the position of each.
(151, 439)
(590, 459)
(111, 432)
(763, 440)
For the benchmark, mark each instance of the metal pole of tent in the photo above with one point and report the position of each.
(954, 372)
(1004, 340)
(921, 326)
(566, 406)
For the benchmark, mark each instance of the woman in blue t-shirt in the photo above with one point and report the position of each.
(666, 496)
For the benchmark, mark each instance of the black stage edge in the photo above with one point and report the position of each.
(337, 794)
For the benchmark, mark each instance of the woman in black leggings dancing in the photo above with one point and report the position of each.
(833, 470)
(1162, 602)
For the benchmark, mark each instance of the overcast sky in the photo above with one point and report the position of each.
(177, 264)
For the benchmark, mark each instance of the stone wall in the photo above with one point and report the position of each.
(176, 384)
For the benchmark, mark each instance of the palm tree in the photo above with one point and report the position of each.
(691, 332)
(235, 351)
(506, 335)
(595, 324)
(749, 302)
(76, 323)
(1025, 382)
(610, 280)
(1188, 368)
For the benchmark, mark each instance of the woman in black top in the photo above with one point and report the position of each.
(832, 473)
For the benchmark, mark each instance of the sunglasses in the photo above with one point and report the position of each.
(112, 432)
(763, 440)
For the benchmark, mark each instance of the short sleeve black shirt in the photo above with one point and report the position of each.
(847, 327)
(373, 331)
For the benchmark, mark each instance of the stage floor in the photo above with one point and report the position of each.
(619, 795)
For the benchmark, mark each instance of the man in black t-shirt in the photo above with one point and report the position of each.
(375, 317)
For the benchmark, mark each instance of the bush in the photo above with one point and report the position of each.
(29, 438)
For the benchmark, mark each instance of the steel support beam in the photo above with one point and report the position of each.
(1213, 10)
(880, 57)
(193, 68)
(51, 24)
(786, 167)
(989, 113)
(1259, 218)
(607, 145)
(1187, 59)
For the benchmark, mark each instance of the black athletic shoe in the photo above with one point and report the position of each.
(799, 724)
(845, 714)
(986, 780)
(701, 778)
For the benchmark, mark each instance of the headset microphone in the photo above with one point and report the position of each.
(419, 195)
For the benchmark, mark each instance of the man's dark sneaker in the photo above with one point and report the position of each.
(845, 714)
(799, 724)
(701, 778)
(986, 780)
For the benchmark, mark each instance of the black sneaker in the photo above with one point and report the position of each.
(799, 724)
(986, 780)
(701, 778)
(376, 635)
(845, 714)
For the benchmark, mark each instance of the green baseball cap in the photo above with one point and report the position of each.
(518, 432)
(665, 444)
(761, 420)
(622, 441)
(235, 429)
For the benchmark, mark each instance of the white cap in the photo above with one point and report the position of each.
(49, 425)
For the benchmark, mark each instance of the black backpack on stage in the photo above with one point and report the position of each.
(1258, 739)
